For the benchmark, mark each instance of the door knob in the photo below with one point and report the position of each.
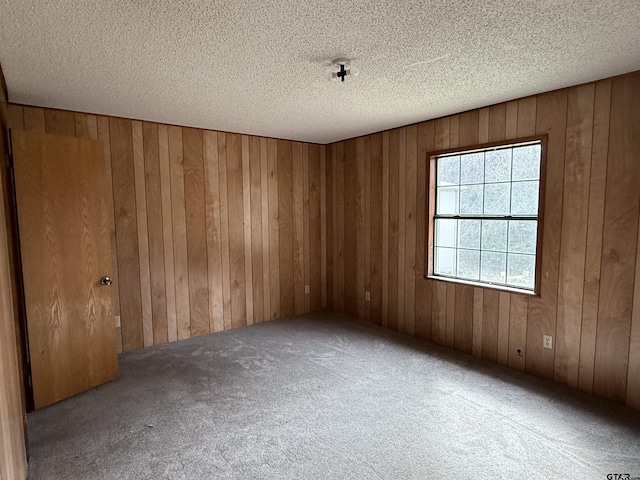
(106, 281)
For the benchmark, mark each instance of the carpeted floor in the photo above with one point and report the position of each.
(327, 397)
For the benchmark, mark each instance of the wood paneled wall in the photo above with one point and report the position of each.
(590, 278)
(13, 461)
(210, 230)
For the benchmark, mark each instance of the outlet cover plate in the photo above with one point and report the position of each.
(547, 341)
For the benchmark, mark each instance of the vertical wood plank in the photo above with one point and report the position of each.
(620, 240)
(167, 231)
(179, 223)
(376, 234)
(286, 228)
(266, 247)
(349, 253)
(478, 301)
(297, 176)
(214, 231)
(360, 226)
(224, 230)
(316, 229)
(323, 224)
(504, 313)
(143, 232)
(490, 314)
(595, 221)
(274, 228)
(575, 206)
(121, 146)
(367, 226)
(246, 206)
(235, 206)
(410, 229)
(198, 274)
(517, 331)
(330, 219)
(423, 327)
(256, 229)
(385, 228)
(340, 225)
(402, 207)
(551, 115)
(306, 199)
(153, 191)
(394, 225)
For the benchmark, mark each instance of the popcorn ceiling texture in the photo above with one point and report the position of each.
(262, 66)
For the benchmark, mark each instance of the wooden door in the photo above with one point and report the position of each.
(61, 190)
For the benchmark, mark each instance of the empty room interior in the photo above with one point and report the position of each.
(312, 240)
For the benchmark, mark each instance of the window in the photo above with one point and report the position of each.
(485, 204)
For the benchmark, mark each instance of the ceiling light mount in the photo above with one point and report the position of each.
(343, 69)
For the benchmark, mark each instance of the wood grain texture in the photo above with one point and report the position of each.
(297, 180)
(286, 228)
(316, 232)
(167, 232)
(550, 119)
(588, 293)
(13, 457)
(411, 181)
(224, 229)
(196, 213)
(143, 233)
(214, 231)
(196, 231)
(255, 200)
(179, 223)
(61, 191)
(274, 227)
(595, 223)
(575, 204)
(619, 242)
(235, 204)
(126, 226)
(246, 209)
(155, 233)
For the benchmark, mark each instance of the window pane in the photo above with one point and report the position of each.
(472, 168)
(469, 264)
(446, 232)
(524, 198)
(496, 198)
(522, 270)
(493, 267)
(447, 200)
(471, 199)
(498, 166)
(449, 170)
(526, 162)
(494, 235)
(469, 234)
(445, 261)
(522, 236)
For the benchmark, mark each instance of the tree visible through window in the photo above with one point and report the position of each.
(484, 225)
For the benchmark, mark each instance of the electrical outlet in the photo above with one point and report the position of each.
(307, 289)
(117, 321)
(547, 341)
(367, 296)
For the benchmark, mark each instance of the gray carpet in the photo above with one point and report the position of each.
(327, 397)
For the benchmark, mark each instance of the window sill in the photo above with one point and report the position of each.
(489, 286)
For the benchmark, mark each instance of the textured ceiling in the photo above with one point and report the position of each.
(262, 66)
